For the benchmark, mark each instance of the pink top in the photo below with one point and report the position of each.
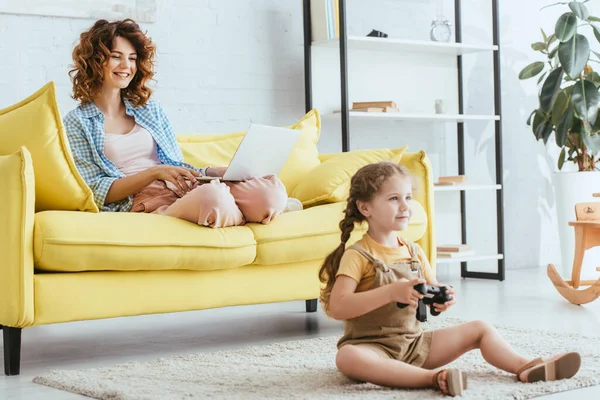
(132, 152)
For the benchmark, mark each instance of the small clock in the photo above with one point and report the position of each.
(440, 31)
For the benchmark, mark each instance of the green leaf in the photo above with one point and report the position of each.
(596, 33)
(594, 77)
(531, 70)
(544, 36)
(596, 53)
(538, 46)
(530, 117)
(596, 127)
(537, 120)
(552, 53)
(566, 27)
(563, 99)
(585, 100)
(593, 19)
(563, 127)
(579, 9)
(574, 55)
(592, 142)
(544, 130)
(550, 88)
(541, 78)
(551, 39)
(561, 158)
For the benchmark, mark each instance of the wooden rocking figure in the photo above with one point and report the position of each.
(587, 235)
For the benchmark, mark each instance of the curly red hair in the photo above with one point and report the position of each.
(93, 52)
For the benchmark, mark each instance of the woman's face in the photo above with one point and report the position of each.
(121, 66)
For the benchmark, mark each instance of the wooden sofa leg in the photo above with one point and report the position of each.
(12, 350)
(311, 305)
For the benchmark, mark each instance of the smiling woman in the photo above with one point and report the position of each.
(108, 49)
(125, 148)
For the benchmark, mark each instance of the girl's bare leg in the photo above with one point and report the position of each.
(365, 365)
(450, 343)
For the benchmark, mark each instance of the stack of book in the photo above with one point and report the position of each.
(451, 180)
(325, 19)
(454, 250)
(374, 106)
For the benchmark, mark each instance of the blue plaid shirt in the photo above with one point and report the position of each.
(85, 130)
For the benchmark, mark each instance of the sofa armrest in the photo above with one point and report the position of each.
(17, 209)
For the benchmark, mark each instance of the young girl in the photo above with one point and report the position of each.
(125, 147)
(382, 343)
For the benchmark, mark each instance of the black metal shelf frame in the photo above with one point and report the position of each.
(345, 117)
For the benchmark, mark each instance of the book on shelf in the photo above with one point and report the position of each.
(451, 254)
(452, 179)
(325, 19)
(367, 104)
(453, 248)
(376, 109)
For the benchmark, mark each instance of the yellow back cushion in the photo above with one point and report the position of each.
(330, 181)
(218, 150)
(36, 124)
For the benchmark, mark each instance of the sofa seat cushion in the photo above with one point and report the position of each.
(69, 241)
(311, 234)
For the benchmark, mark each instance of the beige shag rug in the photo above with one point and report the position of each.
(306, 369)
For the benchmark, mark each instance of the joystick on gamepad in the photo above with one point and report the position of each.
(431, 295)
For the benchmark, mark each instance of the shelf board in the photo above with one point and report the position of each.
(404, 45)
(446, 260)
(466, 186)
(398, 116)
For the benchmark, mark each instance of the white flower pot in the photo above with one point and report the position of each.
(571, 188)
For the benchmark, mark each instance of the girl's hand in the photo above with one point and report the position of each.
(446, 305)
(403, 291)
(177, 176)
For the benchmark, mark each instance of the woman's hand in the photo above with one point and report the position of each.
(403, 291)
(216, 171)
(446, 305)
(177, 176)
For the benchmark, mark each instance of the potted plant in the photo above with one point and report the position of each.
(568, 108)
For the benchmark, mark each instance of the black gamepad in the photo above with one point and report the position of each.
(431, 294)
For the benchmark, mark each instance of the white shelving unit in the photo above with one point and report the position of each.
(467, 186)
(449, 260)
(397, 69)
(397, 116)
(404, 46)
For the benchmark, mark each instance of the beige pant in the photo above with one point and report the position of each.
(217, 204)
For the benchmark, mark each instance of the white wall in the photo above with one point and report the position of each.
(225, 63)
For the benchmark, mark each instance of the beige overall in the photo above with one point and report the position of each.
(391, 331)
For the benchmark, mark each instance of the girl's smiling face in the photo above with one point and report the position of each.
(390, 209)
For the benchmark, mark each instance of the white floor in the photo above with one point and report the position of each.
(526, 299)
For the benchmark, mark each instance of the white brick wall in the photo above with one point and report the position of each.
(220, 65)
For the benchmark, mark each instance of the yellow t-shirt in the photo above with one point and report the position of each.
(359, 268)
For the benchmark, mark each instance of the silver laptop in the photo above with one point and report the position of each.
(263, 151)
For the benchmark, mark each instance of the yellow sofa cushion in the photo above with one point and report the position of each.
(218, 150)
(313, 233)
(17, 197)
(329, 182)
(72, 241)
(36, 124)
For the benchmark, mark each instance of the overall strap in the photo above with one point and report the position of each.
(377, 263)
(415, 262)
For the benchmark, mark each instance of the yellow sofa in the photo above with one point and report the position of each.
(62, 265)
